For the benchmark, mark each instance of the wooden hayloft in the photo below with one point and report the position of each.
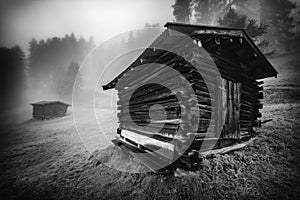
(49, 109)
(225, 56)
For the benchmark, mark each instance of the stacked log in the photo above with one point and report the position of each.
(191, 102)
(251, 93)
(185, 103)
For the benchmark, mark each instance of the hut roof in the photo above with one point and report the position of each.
(49, 102)
(242, 54)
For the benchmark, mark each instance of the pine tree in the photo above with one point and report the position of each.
(49, 61)
(12, 76)
(208, 11)
(182, 10)
(255, 30)
(277, 13)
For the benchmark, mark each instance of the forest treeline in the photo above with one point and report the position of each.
(48, 72)
(49, 69)
(54, 64)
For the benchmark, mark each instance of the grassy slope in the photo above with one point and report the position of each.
(47, 160)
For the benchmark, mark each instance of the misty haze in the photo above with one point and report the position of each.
(65, 66)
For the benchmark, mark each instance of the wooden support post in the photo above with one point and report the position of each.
(217, 130)
(238, 105)
(224, 106)
(219, 107)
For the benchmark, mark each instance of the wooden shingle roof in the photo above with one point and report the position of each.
(49, 102)
(234, 47)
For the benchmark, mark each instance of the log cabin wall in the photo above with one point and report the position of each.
(238, 108)
(176, 118)
(49, 110)
(180, 119)
(37, 112)
(54, 110)
(250, 105)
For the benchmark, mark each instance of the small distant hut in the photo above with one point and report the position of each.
(49, 109)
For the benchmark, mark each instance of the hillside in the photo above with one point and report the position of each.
(47, 160)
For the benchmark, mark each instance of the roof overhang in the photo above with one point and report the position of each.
(235, 46)
(49, 103)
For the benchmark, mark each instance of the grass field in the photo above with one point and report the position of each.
(47, 160)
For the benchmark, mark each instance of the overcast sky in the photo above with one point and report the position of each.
(21, 20)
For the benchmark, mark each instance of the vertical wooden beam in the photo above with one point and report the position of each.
(234, 110)
(238, 107)
(230, 109)
(226, 132)
(233, 89)
(216, 94)
(224, 106)
(219, 107)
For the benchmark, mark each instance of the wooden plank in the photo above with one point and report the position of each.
(166, 106)
(147, 158)
(250, 113)
(156, 90)
(234, 106)
(224, 109)
(234, 111)
(163, 73)
(201, 115)
(226, 149)
(218, 102)
(230, 110)
(150, 99)
(163, 148)
(238, 107)
(132, 78)
(151, 130)
(130, 75)
(226, 94)
(259, 82)
(251, 106)
(154, 121)
(169, 101)
(168, 82)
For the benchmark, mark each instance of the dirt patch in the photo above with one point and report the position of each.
(116, 158)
